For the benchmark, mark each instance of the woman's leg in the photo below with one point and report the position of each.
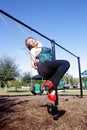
(44, 70)
(59, 67)
(62, 66)
(53, 71)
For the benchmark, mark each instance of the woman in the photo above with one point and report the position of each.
(51, 70)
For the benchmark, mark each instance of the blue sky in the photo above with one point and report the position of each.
(65, 21)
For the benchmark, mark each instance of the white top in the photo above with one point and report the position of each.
(35, 52)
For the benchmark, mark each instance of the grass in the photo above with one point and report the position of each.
(13, 92)
(26, 91)
(72, 92)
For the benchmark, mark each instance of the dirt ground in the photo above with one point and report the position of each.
(38, 113)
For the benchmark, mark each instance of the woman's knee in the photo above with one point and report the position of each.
(67, 64)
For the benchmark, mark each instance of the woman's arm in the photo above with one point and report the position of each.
(33, 58)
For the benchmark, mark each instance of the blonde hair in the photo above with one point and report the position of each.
(29, 46)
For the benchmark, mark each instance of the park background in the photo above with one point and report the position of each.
(62, 20)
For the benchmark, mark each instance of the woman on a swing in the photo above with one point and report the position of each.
(51, 70)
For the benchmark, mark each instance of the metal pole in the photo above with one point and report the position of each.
(53, 49)
(81, 91)
(25, 25)
(54, 57)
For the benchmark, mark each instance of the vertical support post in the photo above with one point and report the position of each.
(81, 91)
(53, 49)
(54, 57)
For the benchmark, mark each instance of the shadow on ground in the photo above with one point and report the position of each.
(7, 108)
(53, 110)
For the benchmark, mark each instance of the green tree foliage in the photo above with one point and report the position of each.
(84, 81)
(66, 78)
(16, 83)
(69, 79)
(8, 69)
(37, 82)
(26, 78)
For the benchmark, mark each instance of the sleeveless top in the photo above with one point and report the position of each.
(45, 55)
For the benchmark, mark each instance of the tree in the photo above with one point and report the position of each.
(8, 69)
(16, 84)
(26, 78)
(70, 80)
(66, 78)
(84, 81)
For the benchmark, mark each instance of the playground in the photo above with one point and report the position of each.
(35, 113)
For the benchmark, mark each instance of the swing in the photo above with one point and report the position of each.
(46, 72)
(11, 30)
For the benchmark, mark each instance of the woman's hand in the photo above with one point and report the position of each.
(34, 65)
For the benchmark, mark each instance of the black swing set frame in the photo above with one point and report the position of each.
(53, 43)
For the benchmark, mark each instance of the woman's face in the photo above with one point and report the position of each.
(32, 42)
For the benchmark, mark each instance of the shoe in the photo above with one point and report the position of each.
(48, 85)
(33, 92)
(52, 95)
